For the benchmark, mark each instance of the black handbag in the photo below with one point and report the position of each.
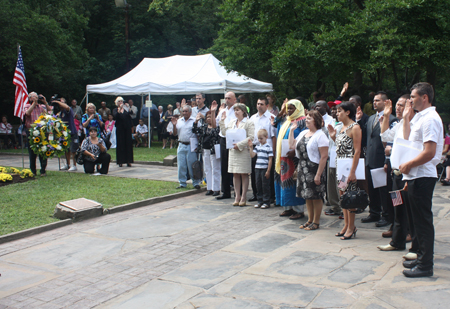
(79, 156)
(106, 138)
(197, 170)
(354, 199)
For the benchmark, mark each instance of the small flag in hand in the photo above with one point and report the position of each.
(396, 198)
(21, 87)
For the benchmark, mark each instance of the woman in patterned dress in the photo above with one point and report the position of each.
(285, 184)
(311, 148)
(348, 145)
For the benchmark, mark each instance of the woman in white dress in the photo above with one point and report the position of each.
(239, 160)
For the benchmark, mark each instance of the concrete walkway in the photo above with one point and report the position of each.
(197, 252)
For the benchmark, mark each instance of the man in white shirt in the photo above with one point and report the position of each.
(425, 128)
(262, 120)
(322, 107)
(230, 100)
(201, 107)
(185, 157)
(177, 110)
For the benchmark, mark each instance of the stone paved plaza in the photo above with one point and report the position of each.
(197, 252)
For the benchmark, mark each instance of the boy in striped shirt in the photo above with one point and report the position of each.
(264, 158)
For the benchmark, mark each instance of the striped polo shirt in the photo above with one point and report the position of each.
(263, 153)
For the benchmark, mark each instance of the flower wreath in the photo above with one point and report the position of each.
(49, 136)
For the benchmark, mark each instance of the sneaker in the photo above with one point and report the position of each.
(265, 206)
(65, 167)
(257, 206)
(73, 169)
(96, 174)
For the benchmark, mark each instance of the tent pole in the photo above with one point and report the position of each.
(150, 133)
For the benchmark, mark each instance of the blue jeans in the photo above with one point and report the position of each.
(185, 158)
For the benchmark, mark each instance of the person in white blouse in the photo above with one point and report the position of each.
(311, 147)
(239, 161)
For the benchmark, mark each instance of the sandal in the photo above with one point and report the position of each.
(305, 225)
(312, 227)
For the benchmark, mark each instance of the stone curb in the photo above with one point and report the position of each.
(116, 209)
(34, 230)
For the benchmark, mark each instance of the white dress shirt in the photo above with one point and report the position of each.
(263, 122)
(230, 116)
(426, 126)
(141, 129)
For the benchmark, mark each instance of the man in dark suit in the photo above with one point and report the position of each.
(375, 158)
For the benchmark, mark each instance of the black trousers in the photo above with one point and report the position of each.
(104, 159)
(378, 197)
(253, 177)
(400, 225)
(272, 181)
(32, 156)
(263, 186)
(420, 194)
(224, 167)
(388, 200)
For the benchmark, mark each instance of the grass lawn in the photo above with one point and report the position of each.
(30, 204)
(155, 153)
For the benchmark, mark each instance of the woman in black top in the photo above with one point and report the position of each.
(124, 149)
(208, 136)
(94, 151)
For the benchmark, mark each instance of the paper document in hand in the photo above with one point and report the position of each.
(284, 147)
(345, 165)
(404, 151)
(235, 136)
(194, 144)
(217, 150)
(378, 177)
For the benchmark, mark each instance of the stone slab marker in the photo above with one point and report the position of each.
(78, 209)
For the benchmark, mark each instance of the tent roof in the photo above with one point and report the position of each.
(179, 75)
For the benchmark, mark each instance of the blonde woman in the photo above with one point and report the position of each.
(92, 119)
(239, 160)
(124, 149)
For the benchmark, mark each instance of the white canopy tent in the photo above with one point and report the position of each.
(179, 75)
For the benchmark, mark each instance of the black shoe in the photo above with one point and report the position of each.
(180, 187)
(222, 197)
(216, 193)
(382, 222)
(370, 218)
(209, 192)
(410, 264)
(416, 272)
(197, 187)
(331, 212)
(253, 198)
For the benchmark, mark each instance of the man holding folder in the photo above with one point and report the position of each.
(425, 128)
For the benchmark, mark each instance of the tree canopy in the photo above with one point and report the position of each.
(300, 46)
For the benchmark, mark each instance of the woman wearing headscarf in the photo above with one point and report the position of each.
(124, 149)
(285, 183)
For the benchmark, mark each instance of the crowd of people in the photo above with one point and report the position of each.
(291, 155)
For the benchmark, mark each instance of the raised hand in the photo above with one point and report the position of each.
(388, 107)
(173, 120)
(213, 106)
(359, 113)
(183, 102)
(332, 131)
(344, 89)
(408, 112)
(294, 126)
(224, 115)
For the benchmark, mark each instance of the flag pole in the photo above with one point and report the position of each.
(21, 133)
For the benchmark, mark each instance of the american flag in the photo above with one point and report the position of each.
(396, 198)
(21, 87)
